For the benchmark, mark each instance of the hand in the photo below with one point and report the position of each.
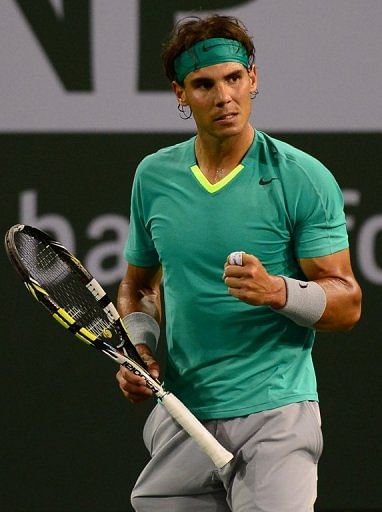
(251, 283)
(133, 386)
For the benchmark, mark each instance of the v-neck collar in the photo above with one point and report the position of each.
(212, 188)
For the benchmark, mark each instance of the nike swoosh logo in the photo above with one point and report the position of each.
(303, 285)
(262, 181)
(208, 48)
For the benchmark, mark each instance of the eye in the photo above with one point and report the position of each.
(234, 78)
(204, 84)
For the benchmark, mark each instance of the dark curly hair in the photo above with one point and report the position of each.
(190, 30)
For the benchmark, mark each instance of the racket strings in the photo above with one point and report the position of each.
(63, 281)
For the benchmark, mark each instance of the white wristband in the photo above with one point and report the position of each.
(142, 328)
(306, 302)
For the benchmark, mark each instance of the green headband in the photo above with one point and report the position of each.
(207, 53)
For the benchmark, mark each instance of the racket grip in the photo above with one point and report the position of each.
(219, 455)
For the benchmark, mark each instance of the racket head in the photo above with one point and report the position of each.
(59, 281)
(24, 243)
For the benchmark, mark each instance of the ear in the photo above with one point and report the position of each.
(179, 92)
(252, 73)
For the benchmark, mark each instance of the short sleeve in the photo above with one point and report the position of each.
(139, 248)
(319, 218)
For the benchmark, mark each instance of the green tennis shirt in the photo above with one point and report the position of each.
(226, 358)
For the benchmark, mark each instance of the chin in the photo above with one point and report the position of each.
(230, 131)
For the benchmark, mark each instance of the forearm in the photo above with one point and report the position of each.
(343, 304)
(139, 305)
(343, 294)
(332, 304)
(145, 300)
(139, 291)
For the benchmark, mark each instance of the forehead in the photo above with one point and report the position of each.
(215, 71)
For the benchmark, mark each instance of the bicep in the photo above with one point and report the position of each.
(336, 265)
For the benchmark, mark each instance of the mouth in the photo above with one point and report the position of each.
(229, 116)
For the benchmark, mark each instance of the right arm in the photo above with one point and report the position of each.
(139, 291)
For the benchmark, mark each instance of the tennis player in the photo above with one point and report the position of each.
(248, 236)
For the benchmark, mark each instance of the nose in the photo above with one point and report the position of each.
(223, 95)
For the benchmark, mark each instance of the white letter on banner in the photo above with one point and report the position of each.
(108, 249)
(56, 225)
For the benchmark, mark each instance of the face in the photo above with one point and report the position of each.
(219, 97)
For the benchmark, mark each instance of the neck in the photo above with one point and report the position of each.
(217, 157)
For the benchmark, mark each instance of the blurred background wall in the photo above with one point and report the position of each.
(82, 100)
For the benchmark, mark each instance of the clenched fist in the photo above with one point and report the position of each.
(247, 280)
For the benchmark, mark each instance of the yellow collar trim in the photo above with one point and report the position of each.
(212, 188)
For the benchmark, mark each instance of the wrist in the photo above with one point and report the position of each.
(279, 296)
(305, 302)
(142, 329)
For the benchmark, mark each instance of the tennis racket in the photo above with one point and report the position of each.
(58, 280)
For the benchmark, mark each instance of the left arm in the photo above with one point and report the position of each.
(251, 283)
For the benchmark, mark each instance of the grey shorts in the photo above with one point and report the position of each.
(274, 468)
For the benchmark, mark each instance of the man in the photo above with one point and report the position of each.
(248, 235)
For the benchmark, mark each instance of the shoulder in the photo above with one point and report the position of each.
(294, 164)
(166, 158)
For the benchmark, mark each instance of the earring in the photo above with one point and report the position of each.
(254, 93)
(182, 113)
